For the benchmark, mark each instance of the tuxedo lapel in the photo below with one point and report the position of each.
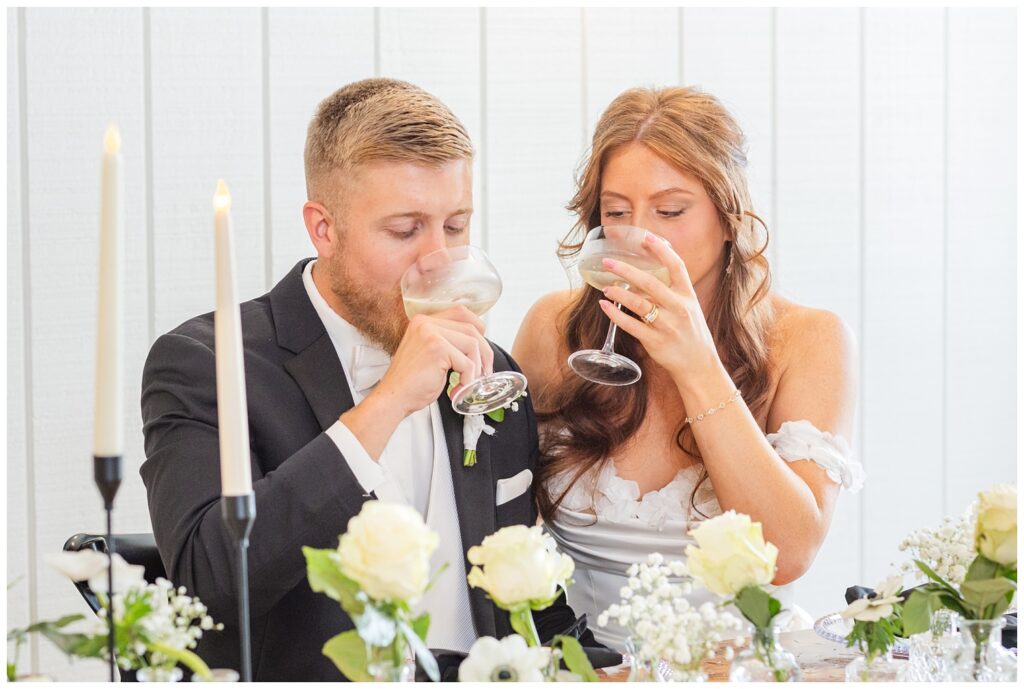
(319, 375)
(474, 502)
(315, 367)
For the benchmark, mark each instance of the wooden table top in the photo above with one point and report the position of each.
(819, 659)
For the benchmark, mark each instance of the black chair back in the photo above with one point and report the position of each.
(136, 549)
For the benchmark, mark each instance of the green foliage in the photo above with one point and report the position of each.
(575, 657)
(874, 639)
(757, 606)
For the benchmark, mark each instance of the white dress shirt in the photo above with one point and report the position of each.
(413, 469)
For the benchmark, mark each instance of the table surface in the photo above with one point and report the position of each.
(819, 659)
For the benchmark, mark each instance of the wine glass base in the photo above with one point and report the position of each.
(489, 393)
(604, 368)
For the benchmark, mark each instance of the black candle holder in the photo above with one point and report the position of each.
(107, 472)
(239, 512)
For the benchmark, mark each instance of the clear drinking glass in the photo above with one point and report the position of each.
(462, 275)
(622, 243)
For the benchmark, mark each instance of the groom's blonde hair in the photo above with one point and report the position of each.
(379, 120)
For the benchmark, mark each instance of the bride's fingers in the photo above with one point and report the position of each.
(679, 277)
(625, 322)
(634, 302)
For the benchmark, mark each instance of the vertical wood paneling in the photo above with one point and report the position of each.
(410, 50)
(626, 48)
(104, 81)
(741, 77)
(981, 249)
(818, 206)
(534, 142)
(207, 123)
(301, 74)
(18, 517)
(903, 274)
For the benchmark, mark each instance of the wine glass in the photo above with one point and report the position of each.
(462, 275)
(623, 243)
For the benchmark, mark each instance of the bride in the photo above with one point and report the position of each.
(625, 471)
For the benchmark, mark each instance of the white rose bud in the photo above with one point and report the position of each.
(731, 554)
(519, 564)
(386, 550)
(995, 534)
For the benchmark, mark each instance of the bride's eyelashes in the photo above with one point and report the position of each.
(660, 213)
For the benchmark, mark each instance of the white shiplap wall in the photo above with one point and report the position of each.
(881, 154)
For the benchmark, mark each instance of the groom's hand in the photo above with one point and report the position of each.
(452, 339)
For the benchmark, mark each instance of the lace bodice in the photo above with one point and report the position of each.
(604, 524)
(603, 492)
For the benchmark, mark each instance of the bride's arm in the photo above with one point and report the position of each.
(794, 500)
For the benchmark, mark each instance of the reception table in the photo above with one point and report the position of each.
(819, 659)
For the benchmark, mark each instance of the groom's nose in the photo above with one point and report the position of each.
(432, 239)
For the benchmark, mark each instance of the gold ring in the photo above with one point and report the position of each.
(652, 315)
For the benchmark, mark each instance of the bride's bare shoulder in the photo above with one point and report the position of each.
(540, 344)
(798, 331)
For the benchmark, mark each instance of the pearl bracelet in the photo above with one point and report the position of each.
(700, 417)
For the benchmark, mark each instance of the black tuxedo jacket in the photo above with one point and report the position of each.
(305, 491)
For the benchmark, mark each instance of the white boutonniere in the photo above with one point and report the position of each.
(474, 425)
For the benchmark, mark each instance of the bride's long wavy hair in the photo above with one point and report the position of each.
(694, 132)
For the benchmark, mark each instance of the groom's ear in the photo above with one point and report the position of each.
(320, 228)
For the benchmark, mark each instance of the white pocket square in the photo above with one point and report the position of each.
(511, 488)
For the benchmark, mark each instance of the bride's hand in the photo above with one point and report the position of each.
(678, 337)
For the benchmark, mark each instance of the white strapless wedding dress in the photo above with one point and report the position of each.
(605, 525)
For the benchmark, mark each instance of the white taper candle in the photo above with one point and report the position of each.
(232, 417)
(108, 410)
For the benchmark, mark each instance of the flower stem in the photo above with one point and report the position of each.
(522, 623)
(183, 656)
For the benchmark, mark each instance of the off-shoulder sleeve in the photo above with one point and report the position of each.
(800, 440)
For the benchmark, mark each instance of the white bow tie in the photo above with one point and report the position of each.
(369, 364)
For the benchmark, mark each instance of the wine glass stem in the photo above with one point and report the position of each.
(609, 340)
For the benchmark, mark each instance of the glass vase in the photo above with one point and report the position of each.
(640, 670)
(159, 673)
(391, 663)
(687, 673)
(931, 652)
(878, 669)
(979, 655)
(764, 660)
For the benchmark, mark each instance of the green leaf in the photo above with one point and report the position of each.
(575, 657)
(325, 577)
(421, 625)
(348, 652)
(917, 612)
(56, 624)
(981, 594)
(12, 671)
(426, 659)
(935, 577)
(981, 568)
(497, 416)
(757, 606)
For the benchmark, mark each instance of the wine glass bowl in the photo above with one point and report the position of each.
(623, 243)
(462, 275)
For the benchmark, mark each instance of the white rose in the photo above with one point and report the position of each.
(508, 660)
(995, 533)
(386, 550)
(519, 564)
(731, 554)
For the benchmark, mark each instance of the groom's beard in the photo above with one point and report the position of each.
(377, 314)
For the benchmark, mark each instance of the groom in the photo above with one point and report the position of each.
(347, 398)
